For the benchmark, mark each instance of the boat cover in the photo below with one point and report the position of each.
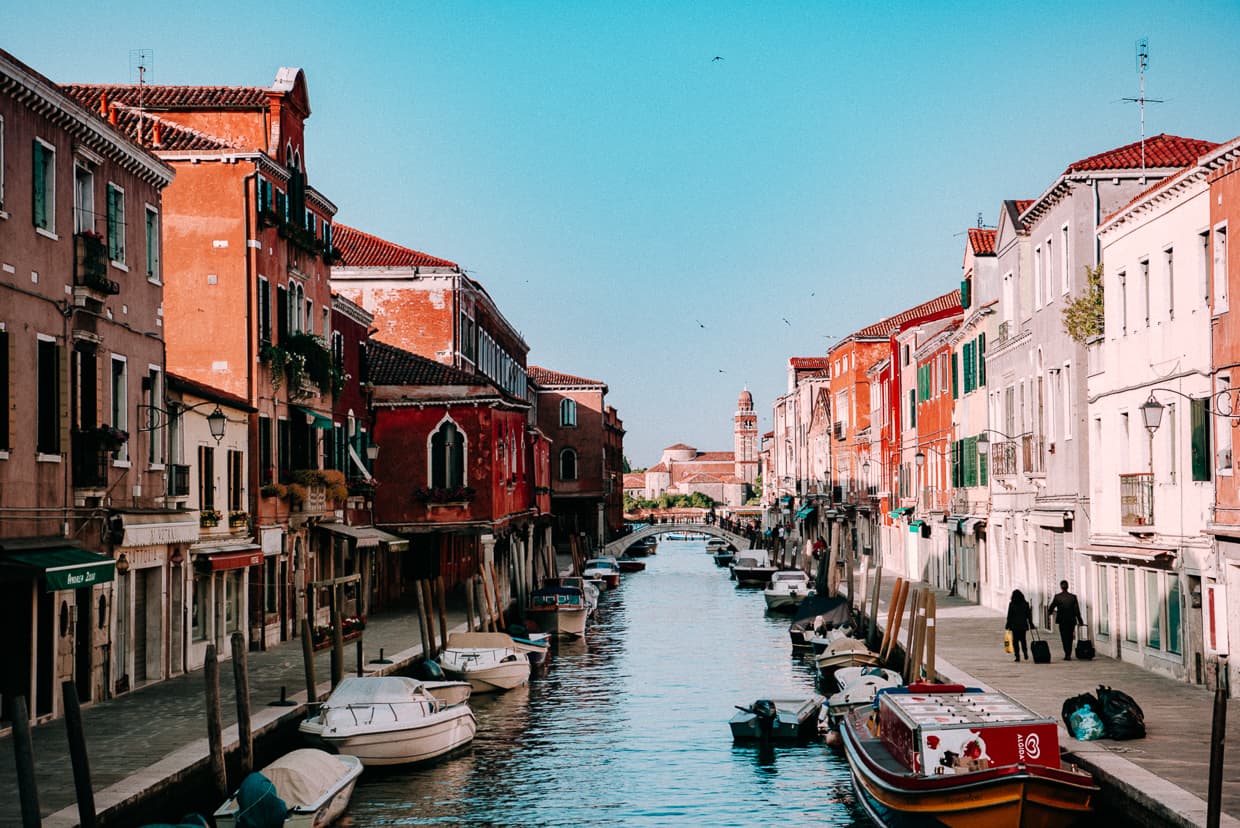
(259, 804)
(304, 776)
(375, 690)
(480, 641)
(834, 612)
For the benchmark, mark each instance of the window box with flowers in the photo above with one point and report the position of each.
(274, 490)
(440, 494)
(237, 519)
(208, 518)
(350, 626)
(302, 359)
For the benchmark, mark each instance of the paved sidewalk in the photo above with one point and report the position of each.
(1167, 771)
(140, 743)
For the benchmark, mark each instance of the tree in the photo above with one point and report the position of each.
(628, 468)
(1083, 315)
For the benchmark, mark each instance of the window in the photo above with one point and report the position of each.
(1123, 303)
(152, 243)
(1037, 276)
(1199, 419)
(1063, 260)
(83, 198)
(1223, 427)
(1144, 264)
(264, 310)
(1130, 605)
(1103, 617)
(284, 449)
(198, 613)
(116, 224)
(568, 464)
(912, 409)
(1174, 644)
(206, 477)
(1153, 611)
(232, 600)
(154, 393)
(120, 401)
(271, 585)
(265, 475)
(955, 376)
(1220, 268)
(310, 316)
(44, 186)
(1, 164)
(568, 413)
(447, 457)
(981, 359)
(4, 388)
(1173, 446)
(1169, 260)
(264, 194)
(1066, 397)
(281, 313)
(469, 338)
(1203, 246)
(236, 481)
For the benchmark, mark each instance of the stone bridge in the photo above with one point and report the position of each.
(617, 547)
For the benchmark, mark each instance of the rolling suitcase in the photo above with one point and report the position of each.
(1084, 644)
(1039, 649)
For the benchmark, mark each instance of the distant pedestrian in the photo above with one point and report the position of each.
(1019, 620)
(1067, 611)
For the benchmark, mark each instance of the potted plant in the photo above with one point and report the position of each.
(274, 490)
(208, 518)
(237, 518)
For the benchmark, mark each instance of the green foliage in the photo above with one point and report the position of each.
(627, 466)
(301, 357)
(696, 500)
(757, 489)
(1083, 315)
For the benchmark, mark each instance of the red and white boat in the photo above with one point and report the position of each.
(964, 757)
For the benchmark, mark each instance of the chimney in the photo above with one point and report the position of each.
(112, 115)
(157, 133)
(103, 104)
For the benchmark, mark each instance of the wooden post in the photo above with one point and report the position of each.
(871, 629)
(913, 601)
(337, 645)
(918, 630)
(863, 591)
(848, 565)
(23, 749)
(489, 621)
(215, 726)
(361, 655)
(499, 600)
(307, 657)
(932, 611)
(890, 630)
(1218, 745)
(469, 603)
(898, 619)
(77, 755)
(422, 628)
(443, 613)
(241, 687)
(429, 598)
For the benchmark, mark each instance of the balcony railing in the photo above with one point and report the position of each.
(90, 461)
(1003, 458)
(178, 480)
(91, 270)
(1136, 499)
(1034, 456)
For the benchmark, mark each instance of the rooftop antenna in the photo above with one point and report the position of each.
(141, 61)
(1143, 63)
(981, 222)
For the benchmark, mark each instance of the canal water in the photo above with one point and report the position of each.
(629, 726)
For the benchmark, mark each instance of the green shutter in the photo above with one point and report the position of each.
(981, 360)
(912, 414)
(968, 367)
(113, 226)
(964, 294)
(955, 376)
(970, 461)
(1200, 420)
(982, 468)
(40, 187)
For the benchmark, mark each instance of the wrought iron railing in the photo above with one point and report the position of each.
(1033, 455)
(1003, 457)
(1136, 499)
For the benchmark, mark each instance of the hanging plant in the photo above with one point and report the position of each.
(302, 358)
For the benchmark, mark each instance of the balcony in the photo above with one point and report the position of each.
(1003, 458)
(90, 270)
(1032, 447)
(1136, 499)
(178, 480)
(90, 460)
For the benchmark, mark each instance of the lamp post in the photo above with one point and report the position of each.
(1151, 413)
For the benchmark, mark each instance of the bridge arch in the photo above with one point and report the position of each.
(617, 547)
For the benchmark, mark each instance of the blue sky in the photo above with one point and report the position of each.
(615, 188)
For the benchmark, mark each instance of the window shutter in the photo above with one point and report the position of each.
(970, 461)
(1200, 424)
(981, 360)
(40, 188)
(964, 294)
(955, 376)
(113, 246)
(983, 468)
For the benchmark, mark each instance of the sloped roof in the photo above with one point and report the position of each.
(1149, 191)
(547, 378)
(634, 480)
(716, 457)
(390, 365)
(982, 240)
(155, 96)
(891, 324)
(810, 363)
(679, 447)
(1161, 150)
(660, 468)
(701, 477)
(1022, 204)
(360, 249)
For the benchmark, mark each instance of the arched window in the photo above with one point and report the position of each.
(568, 464)
(447, 457)
(568, 413)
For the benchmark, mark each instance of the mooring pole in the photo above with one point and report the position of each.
(1218, 741)
(23, 750)
(307, 657)
(215, 725)
(241, 686)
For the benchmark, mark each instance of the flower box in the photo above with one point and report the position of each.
(351, 629)
(237, 519)
(208, 518)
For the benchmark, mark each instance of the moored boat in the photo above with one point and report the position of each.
(817, 613)
(857, 688)
(786, 589)
(605, 570)
(628, 564)
(313, 789)
(845, 652)
(724, 556)
(562, 605)
(752, 568)
(964, 757)
(646, 546)
(390, 720)
(781, 720)
(491, 662)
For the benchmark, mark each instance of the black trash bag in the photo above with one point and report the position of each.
(1121, 715)
(1076, 703)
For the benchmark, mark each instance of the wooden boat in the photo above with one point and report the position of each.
(628, 564)
(845, 652)
(646, 546)
(780, 720)
(314, 786)
(724, 557)
(391, 720)
(817, 613)
(753, 568)
(491, 662)
(606, 570)
(964, 757)
(786, 589)
(562, 605)
(535, 645)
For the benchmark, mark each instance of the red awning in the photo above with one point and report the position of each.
(232, 557)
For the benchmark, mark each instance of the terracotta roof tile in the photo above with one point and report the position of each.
(660, 468)
(892, 324)
(716, 457)
(359, 249)
(1161, 150)
(982, 240)
(141, 126)
(810, 363)
(546, 377)
(156, 97)
(390, 365)
(679, 447)
(701, 477)
(634, 480)
(1023, 204)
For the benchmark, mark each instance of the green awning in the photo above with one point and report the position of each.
(805, 511)
(915, 525)
(897, 512)
(66, 567)
(315, 419)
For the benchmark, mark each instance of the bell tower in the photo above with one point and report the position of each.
(745, 438)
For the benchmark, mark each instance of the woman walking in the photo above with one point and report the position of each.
(1019, 620)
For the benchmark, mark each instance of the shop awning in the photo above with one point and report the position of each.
(155, 528)
(367, 537)
(915, 525)
(1140, 554)
(315, 419)
(805, 511)
(902, 510)
(229, 556)
(65, 567)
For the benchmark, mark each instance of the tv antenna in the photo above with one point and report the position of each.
(141, 63)
(1143, 63)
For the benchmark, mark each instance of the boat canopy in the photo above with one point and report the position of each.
(833, 609)
(479, 641)
(376, 690)
(305, 776)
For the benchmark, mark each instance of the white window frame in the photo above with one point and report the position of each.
(49, 193)
(1037, 277)
(119, 413)
(42, 457)
(1122, 276)
(1144, 265)
(1048, 272)
(154, 272)
(1219, 249)
(120, 263)
(1169, 266)
(430, 452)
(1065, 276)
(83, 213)
(1067, 400)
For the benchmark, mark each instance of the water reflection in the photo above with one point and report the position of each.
(629, 725)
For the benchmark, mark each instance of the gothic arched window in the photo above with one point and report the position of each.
(447, 457)
(568, 464)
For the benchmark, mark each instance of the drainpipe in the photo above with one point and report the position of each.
(251, 287)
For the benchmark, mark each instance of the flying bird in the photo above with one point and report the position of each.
(811, 293)
(722, 371)
(699, 321)
(786, 322)
(716, 57)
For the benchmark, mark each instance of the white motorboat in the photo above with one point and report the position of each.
(753, 568)
(857, 687)
(605, 570)
(314, 786)
(392, 720)
(491, 662)
(786, 589)
(562, 605)
(845, 652)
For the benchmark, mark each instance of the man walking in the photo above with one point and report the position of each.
(1067, 611)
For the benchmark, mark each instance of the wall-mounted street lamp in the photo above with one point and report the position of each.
(217, 420)
(372, 452)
